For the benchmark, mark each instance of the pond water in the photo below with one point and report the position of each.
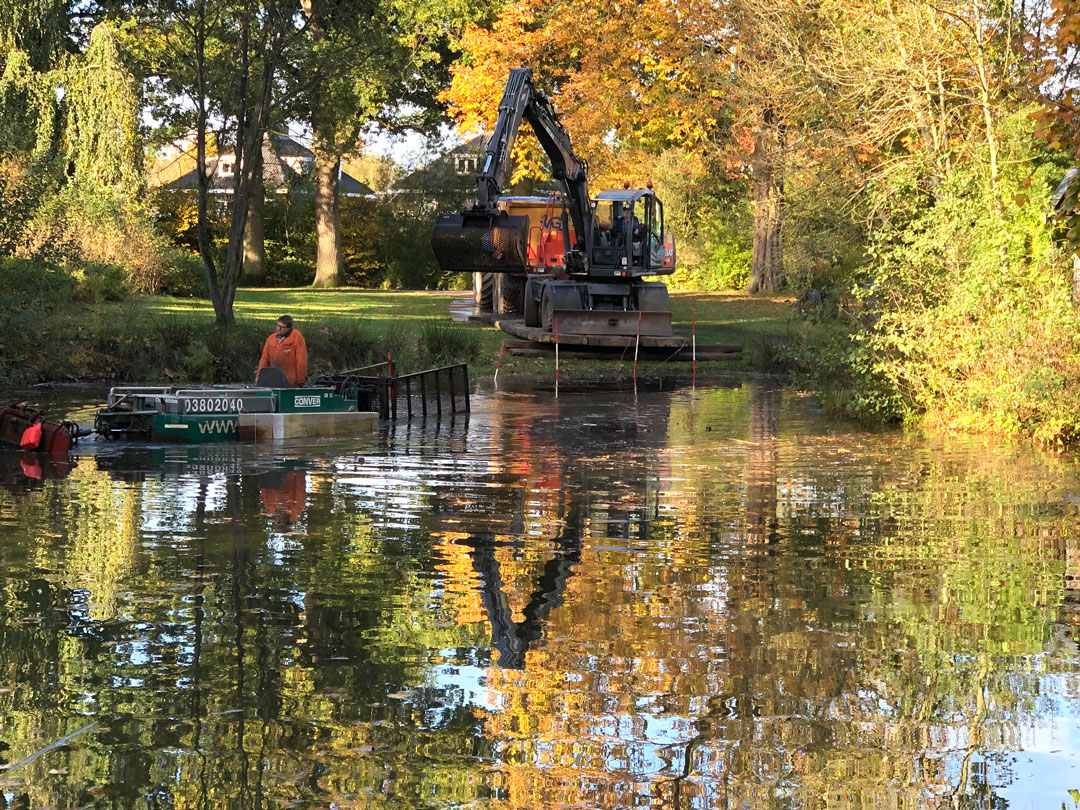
(702, 598)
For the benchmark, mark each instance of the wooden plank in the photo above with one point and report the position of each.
(527, 349)
(516, 326)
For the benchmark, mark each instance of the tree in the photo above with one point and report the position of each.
(1058, 121)
(222, 62)
(368, 62)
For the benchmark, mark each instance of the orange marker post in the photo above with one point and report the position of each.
(637, 343)
(693, 344)
(498, 363)
(556, 357)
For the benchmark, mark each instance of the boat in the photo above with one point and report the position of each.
(215, 413)
(343, 404)
(51, 438)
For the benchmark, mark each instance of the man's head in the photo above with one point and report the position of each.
(284, 324)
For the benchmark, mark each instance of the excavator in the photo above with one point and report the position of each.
(591, 284)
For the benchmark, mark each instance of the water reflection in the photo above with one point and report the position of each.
(690, 599)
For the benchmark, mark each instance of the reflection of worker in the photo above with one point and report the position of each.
(286, 350)
(284, 495)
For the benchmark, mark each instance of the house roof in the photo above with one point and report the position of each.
(443, 169)
(287, 147)
(349, 185)
(277, 173)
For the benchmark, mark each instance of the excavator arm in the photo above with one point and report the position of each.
(484, 238)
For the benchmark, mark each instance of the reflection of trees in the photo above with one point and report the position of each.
(764, 415)
(512, 638)
(570, 608)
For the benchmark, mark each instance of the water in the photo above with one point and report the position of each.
(681, 599)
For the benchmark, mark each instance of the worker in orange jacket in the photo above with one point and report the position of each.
(287, 350)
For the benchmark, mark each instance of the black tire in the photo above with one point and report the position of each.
(483, 284)
(532, 306)
(546, 315)
(509, 294)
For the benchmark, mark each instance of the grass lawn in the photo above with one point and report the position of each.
(720, 317)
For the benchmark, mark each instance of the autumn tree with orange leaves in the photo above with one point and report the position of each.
(883, 153)
(1059, 120)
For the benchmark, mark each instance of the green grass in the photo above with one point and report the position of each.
(416, 328)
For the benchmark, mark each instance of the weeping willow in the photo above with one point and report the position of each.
(100, 135)
(38, 28)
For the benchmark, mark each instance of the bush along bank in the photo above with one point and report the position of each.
(89, 346)
(965, 318)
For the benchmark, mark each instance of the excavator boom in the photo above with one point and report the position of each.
(483, 238)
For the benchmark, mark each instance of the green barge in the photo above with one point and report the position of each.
(215, 414)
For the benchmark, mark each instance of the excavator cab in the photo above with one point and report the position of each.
(628, 234)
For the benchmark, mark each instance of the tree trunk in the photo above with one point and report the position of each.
(251, 125)
(249, 135)
(254, 243)
(767, 265)
(1076, 279)
(327, 216)
(202, 116)
(325, 171)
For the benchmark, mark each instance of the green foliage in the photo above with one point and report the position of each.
(26, 286)
(290, 248)
(27, 108)
(339, 345)
(289, 222)
(184, 275)
(360, 239)
(726, 262)
(34, 303)
(404, 224)
(710, 220)
(100, 139)
(443, 342)
(967, 316)
(83, 224)
(101, 282)
(39, 27)
(24, 186)
(71, 173)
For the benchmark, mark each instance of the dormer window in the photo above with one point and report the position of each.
(227, 168)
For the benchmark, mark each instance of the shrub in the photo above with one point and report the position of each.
(34, 300)
(184, 274)
(443, 342)
(101, 282)
(81, 225)
(339, 345)
(968, 316)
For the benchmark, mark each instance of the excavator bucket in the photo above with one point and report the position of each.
(494, 242)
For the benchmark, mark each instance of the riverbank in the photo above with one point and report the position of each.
(161, 338)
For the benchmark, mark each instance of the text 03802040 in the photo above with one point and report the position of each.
(212, 405)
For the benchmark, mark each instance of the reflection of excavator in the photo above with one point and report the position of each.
(594, 285)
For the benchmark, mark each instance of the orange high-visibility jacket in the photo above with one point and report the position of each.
(289, 354)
